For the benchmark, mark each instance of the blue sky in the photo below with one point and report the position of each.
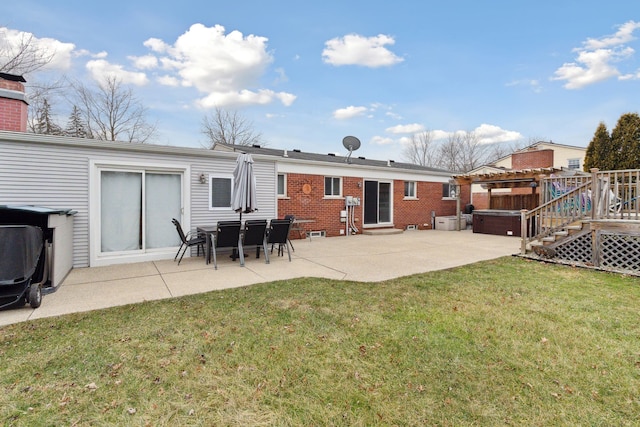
(308, 73)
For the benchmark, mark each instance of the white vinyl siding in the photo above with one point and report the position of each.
(55, 172)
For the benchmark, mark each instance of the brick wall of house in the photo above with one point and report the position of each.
(480, 200)
(532, 159)
(326, 211)
(13, 112)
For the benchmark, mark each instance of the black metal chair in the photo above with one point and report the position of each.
(279, 235)
(227, 236)
(255, 234)
(186, 241)
(292, 218)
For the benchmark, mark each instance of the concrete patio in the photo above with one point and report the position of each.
(366, 258)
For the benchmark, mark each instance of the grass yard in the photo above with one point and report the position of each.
(503, 342)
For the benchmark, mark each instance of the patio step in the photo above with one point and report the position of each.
(382, 231)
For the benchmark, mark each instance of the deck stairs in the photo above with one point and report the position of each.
(592, 221)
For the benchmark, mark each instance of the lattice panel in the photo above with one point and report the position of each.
(619, 251)
(576, 250)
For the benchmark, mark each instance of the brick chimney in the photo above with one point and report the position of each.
(13, 103)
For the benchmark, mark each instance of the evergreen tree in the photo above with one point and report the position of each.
(627, 137)
(597, 150)
(75, 125)
(44, 122)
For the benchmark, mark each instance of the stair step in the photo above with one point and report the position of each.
(574, 227)
(549, 239)
(561, 233)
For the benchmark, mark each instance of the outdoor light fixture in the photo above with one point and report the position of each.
(203, 178)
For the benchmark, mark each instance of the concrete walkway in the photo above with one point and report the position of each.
(366, 258)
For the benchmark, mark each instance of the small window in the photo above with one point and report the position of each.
(220, 189)
(410, 189)
(574, 163)
(282, 185)
(448, 191)
(332, 186)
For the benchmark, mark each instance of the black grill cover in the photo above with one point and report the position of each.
(20, 248)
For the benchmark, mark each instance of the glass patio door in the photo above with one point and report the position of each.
(136, 208)
(377, 202)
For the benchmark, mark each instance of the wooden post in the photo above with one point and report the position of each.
(523, 231)
(595, 192)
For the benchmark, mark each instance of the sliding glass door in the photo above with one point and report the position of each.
(377, 202)
(136, 208)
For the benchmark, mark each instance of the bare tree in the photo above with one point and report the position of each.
(113, 113)
(463, 151)
(22, 57)
(229, 127)
(421, 150)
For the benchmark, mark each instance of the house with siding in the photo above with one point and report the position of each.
(389, 194)
(125, 195)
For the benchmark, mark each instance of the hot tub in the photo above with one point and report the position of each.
(499, 222)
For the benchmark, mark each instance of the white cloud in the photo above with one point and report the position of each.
(354, 49)
(245, 97)
(382, 140)
(144, 62)
(168, 81)
(595, 59)
(622, 36)
(490, 134)
(225, 67)
(349, 112)
(100, 69)
(61, 53)
(412, 128)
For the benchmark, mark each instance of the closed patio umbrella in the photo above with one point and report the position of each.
(243, 199)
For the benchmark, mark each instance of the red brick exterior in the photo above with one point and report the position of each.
(326, 211)
(13, 112)
(532, 159)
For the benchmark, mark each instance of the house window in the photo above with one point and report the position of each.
(448, 191)
(332, 186)
(282, 185)
(410, 189)
(574, 164)
(220, 188)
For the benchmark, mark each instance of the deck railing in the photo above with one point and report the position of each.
(567, 200)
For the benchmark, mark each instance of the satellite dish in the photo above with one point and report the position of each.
(351, 143)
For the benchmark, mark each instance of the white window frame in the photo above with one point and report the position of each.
(96, 166)
(413, 190)
(282, 195)
(575, 161)
(332, 195)
(210, 199)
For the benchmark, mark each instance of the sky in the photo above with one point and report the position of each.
(305, 74)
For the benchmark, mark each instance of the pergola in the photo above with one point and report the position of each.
(522, 178)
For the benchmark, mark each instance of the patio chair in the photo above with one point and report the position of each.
(187, 241)
(279, 235)
(227, 236)
(255, 234)
(295, 228)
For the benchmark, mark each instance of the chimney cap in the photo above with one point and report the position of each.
(12, 77)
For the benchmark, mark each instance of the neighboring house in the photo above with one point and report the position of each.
(390, 194)
(544, 154)
(547, 156)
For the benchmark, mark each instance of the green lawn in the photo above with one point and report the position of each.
(504, 342)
